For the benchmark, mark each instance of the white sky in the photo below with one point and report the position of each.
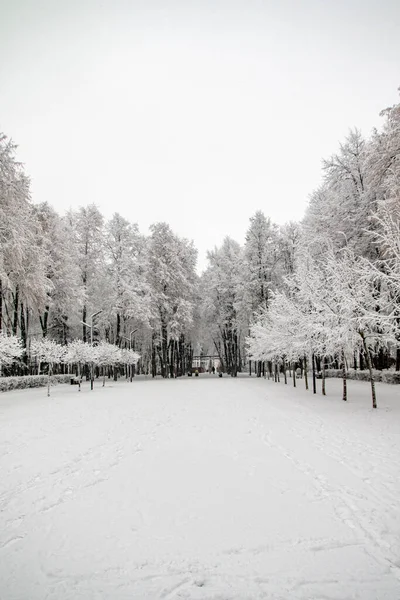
(195, 112)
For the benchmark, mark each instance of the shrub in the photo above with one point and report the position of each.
(30, 381)
(391, 377)
(384, 376)
(333, 373)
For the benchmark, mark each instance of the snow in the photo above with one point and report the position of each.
(199, 488)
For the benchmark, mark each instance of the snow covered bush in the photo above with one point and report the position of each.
(30, 381)
(10, 349)
(355, 375)
(391, 377)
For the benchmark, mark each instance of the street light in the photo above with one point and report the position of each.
(91, 324)
(92, 316)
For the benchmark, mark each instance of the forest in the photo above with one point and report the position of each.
(318, 294)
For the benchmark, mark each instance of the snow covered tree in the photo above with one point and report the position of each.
(387, 269)
(222, 296)
(383, 159)
(106, 355)
(288, 240)
(78, 353)
(64, 293)
(87, 229)
(354, 308)
(50, 352)
(171, 277)
(130, 358)
(362, 306)
(129, 293)
(23, 283)
(339, 210)
(260, 260)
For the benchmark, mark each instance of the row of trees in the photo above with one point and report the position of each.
(56, 271)
(319, 292)
(341, 304)
(239, 282)
(76, 355)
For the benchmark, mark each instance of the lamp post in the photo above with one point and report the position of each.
(92, 316)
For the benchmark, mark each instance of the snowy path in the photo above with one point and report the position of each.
(200, 488)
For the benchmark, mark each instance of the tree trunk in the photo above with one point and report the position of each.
(284, 370)
(171, 359)
(361, 361)
(79, 376)
(323, 377)
(305, 372)
(23, 335)
(153, 356)
(91, 375)
(344, 376)
(314, 378)
(27, 324)
(22, 325)
(16, 304)
(84, 329)
(369, 364)
(118, 330)
(164, 350)
(294, 374)
(48, 379)
(44, 321)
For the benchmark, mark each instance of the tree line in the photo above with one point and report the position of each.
(341, 304)
(317, 293)
(79, 276)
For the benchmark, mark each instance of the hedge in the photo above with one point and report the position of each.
(30, 381)
(384, 376)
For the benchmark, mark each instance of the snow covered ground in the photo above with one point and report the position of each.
(200, 488)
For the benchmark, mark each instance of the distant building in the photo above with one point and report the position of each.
(203, 363)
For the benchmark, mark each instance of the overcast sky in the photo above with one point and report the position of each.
(197, 112)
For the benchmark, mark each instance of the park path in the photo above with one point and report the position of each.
(200, 488)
